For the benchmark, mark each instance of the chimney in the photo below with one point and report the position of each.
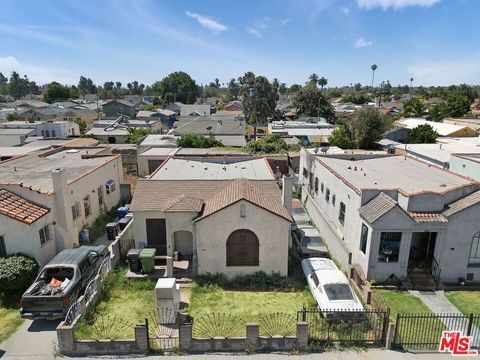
(63, 214)
(287, 192)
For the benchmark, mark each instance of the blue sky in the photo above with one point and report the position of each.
(434, 41)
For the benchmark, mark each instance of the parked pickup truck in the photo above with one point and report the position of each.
(61, 282)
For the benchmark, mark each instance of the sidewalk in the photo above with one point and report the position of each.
(439, 304)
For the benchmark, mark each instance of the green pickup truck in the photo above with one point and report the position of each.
(61, 282)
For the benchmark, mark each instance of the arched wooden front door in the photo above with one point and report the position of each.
(242, 248)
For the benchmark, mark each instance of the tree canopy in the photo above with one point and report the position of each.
(339, 137)
(310, 101)
(56, 92)
(259, 98)
(423, 134)
(198, 141)
(269, 144)
(415, 107)
(362, 131)
(177, 86)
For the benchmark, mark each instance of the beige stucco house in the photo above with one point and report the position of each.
(226, 215)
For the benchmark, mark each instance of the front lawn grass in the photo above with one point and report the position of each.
(402, 302)
(467, 302)
(247, 305)
(10, 319)
(123, 301)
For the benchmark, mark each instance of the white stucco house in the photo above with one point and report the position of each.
(225, 214)
(391, 214)
(48, 198)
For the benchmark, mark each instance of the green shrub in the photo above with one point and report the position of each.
(257, 281)
(198, 141)
(17, 272)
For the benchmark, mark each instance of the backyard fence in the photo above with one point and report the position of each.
(162, 328)
(367, 327)
(424, 331)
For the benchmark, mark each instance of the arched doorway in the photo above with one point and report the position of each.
(183, 242)
(242, 248)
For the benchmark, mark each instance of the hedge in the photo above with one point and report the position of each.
(17, 272)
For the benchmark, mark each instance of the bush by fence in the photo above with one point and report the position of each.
(17, 272)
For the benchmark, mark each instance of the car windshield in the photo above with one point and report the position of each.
(338, 292)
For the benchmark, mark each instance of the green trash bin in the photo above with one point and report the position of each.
(147, 258)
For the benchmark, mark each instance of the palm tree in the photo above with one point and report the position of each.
(411, 81)
(373, 67)
(322, 82)
(313, 78)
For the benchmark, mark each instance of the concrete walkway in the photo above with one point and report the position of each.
(32, 340)
(439, 304)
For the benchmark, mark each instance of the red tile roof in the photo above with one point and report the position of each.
(18, 208)
(421, 217)
(244, 190)
(183, 203)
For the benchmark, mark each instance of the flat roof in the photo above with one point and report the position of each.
(439, 152)
(219, 168)
(209, 152)
(16, 131)
(159, 140)
(159, 152)
(441, 128)
(471, 157)
(100, 131)
(36, 171)
(393, 172)
(9, 151)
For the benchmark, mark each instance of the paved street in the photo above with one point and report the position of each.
(33, 340)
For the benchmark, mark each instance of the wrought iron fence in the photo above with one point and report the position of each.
(218, 325)
(278, 324)
(369, 326)
(423, 331)
(162, 326)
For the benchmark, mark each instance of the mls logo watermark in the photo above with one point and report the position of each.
(456, 344)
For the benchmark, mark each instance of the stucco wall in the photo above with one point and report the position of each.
(465, 167)
(213, 231)
(25, 239)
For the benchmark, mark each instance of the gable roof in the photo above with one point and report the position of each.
(183, 203)
(462, 204)
(244, 189)
(20, 209)
(377, 207)
(424, 217)
(153, 195)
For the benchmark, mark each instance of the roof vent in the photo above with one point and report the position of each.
(443, 185)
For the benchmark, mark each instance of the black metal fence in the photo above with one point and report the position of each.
(367, 327)
(424, 331)
(162, 328)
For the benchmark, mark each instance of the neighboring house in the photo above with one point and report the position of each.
(176, 107)
(438, 154)
(311, 130)
(148, 161)
(156, 141)
(14, 137)
(195, 110)
(109, 135)
(150, 124)
(46, 129)
(447, 130)
(165, 117)
(230, 130)
(62, 191)
(115, 108)
(391, 215)
(235, 105)
(471, 123)
(224, 214)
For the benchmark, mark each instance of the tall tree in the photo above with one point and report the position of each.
(415, 107)
(282, 89)
(177, 86)
(423, 134)
(17, 86)
(259, 99)
(86, 86)
(56, 92)
(374, 67)
(322, 82)
(310, 101)
(366, 127)
(3, 84)
(313, 79)
(233, 89)
(294, 88)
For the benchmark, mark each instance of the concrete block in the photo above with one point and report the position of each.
(185, 337)
(302, 334)
(253, 331)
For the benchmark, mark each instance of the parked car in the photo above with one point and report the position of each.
(330, 288)
(61, 282)
(300, 216)
(310, 242)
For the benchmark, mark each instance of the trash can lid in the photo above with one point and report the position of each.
(112, 224)
(134, 252)
(148, 252)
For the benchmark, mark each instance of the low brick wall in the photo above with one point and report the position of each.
(252, 341)
(71, 347)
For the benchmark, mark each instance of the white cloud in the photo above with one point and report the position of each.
(362, 43)
(446, 72)
(39, 73)
(207, 23)
(394, 4)
(254, 32)
(344, 9)
(285, 22)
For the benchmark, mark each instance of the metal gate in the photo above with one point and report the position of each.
(423, 331)
(162, 329)
(368, 327)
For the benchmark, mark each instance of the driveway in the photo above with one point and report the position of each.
(32, 340)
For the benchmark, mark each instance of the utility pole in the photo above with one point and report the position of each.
(252, 94)
(411, 81)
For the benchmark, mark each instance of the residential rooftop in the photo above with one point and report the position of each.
(439, 152)
(392, 172)
(441, 128)
(159, 141)
(159, 152)
(36, 171)
(101, 131)
(217, 168)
